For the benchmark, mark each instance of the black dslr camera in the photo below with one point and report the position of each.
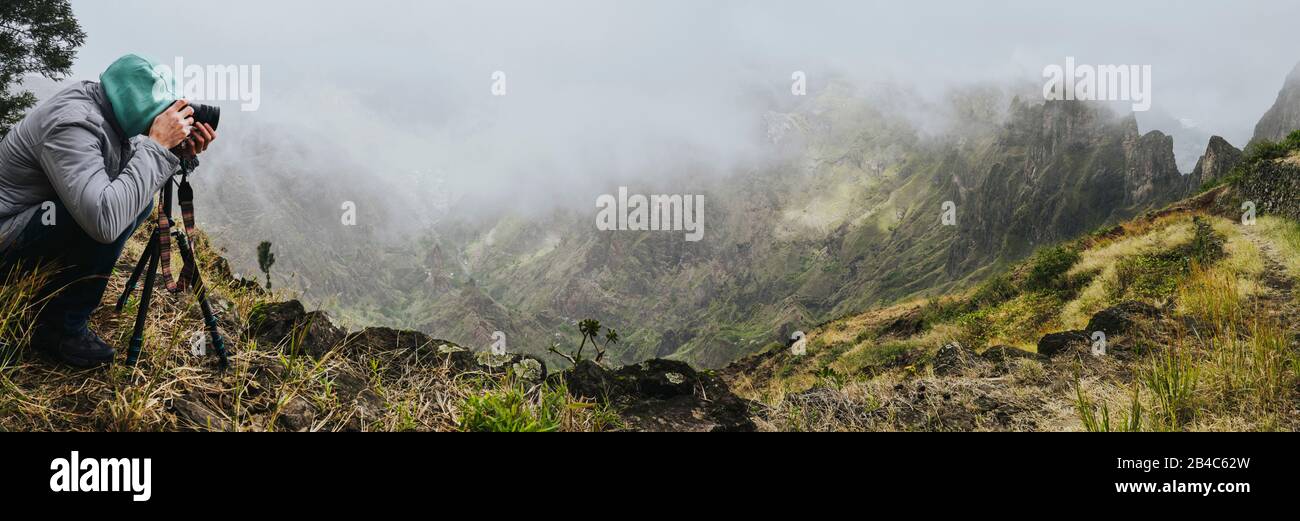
(209, 114)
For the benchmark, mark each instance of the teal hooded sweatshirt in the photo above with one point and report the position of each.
(139, 90)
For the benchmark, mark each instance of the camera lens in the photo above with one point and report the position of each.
(206, 114)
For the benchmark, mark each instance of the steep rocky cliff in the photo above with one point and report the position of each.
(1284, 117)
(1219, 158)
(1056, 171)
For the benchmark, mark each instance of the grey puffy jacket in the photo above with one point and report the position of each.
(69, 148)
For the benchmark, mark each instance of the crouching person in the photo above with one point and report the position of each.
(77, 177)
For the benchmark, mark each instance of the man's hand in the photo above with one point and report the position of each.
(172, 126)
(199, 141)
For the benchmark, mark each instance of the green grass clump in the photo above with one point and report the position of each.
(1130, 421)
(19, 305)
(512, 406)
(875, 358)
(1172, 377)
(1156, 276)
(510, 409)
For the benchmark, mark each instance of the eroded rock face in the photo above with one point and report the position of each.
(1059, 170)
(663, 395)
(1272, 188)
(1284, 117)
(1219, 159)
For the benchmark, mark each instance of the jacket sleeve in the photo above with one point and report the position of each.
(73, 159)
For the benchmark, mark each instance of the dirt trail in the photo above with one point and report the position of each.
(1279, 298)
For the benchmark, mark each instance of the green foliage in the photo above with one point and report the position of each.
(1262, 152)
(1153, 276)
(510, 409)
(1127, 422)
(590, 330)
(36, 36)
(1172, 378)
(995, 291)
(1049, 269)
(889, 354)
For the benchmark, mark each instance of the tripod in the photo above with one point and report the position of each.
(157, 253)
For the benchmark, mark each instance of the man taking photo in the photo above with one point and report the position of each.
(77, 176)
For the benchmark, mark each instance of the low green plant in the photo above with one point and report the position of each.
(511, 409)
(1049, 269)
(1172, 377)
(1130, 421)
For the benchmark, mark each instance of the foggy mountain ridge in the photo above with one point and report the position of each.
(844, 215)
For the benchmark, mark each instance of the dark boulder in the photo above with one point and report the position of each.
(1122, 318)
(662, 395)
(289, 326)
(1055, 343)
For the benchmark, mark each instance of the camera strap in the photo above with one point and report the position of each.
(165, 237)
(189, 271)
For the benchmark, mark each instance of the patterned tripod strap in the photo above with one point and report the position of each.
(165, 237)
(189, 272)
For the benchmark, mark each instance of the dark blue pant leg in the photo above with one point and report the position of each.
(82, 265)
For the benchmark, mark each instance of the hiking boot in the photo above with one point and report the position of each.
(84, 349)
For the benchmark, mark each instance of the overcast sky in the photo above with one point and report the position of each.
(613, 78)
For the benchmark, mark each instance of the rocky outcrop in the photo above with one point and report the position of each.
(1220, 157)
(1284, 117)
(1058, 170)
(1152, 175)
(662, 395)
(1272, 187)
(288, 325)
(1123, 318)
(1055, 343)
(658, 395)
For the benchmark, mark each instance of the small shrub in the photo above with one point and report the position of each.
(1049, 269)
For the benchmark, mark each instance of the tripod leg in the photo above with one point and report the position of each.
(201, 293)
(142, 314)
(139, 270)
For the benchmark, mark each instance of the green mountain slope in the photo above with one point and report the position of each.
(850, 218)
(1182, 319)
